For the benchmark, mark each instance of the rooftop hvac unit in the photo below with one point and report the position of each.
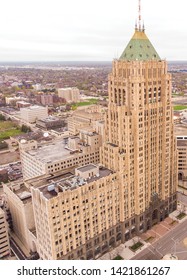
(51, 188)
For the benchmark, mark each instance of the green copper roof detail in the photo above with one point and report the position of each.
(139, 48)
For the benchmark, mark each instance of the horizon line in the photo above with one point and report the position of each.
(69, 61)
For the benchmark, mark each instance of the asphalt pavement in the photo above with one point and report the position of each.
(170, 243)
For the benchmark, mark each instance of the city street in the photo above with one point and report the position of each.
(166, 237)
(173, 242)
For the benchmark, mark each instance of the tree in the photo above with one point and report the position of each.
(25, 128)
(2, 118)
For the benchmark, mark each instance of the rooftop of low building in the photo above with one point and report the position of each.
(181, 141)
(34, 107)
(52, 186)
(180, 130)
(39, 136)
(50, 118)
(52, 152)
(20, 190)
(87, 167)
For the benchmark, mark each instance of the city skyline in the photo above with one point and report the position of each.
(82, 31)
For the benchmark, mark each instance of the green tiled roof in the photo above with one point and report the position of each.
(139, 48)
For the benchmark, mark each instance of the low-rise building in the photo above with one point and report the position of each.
(39, 159)
(47, 99)
(33, 113)
(23, 104)
(50, 122)
(20, 206)
(14, 99)
(85, 118)
(70, 94)
(77, 216)
(3, 175)
(37, 86)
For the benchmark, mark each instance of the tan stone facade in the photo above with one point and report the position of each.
(84, 216)
(70, 94)
(182, 160)
(75, 213)
(4, 238)
(21, 209)
(91, 117)
(139, 142)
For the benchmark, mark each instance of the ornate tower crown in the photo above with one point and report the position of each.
(139, 47)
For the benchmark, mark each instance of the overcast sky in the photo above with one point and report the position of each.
(48, 30)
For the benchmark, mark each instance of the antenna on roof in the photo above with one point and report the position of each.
(139, 15)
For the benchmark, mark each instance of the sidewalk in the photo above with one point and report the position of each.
(124, 251)
(146, 238)
(176, 213)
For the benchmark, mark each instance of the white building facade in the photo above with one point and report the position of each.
(33, 113)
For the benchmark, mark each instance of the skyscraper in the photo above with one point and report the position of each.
(139, 140)
(82, 216)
